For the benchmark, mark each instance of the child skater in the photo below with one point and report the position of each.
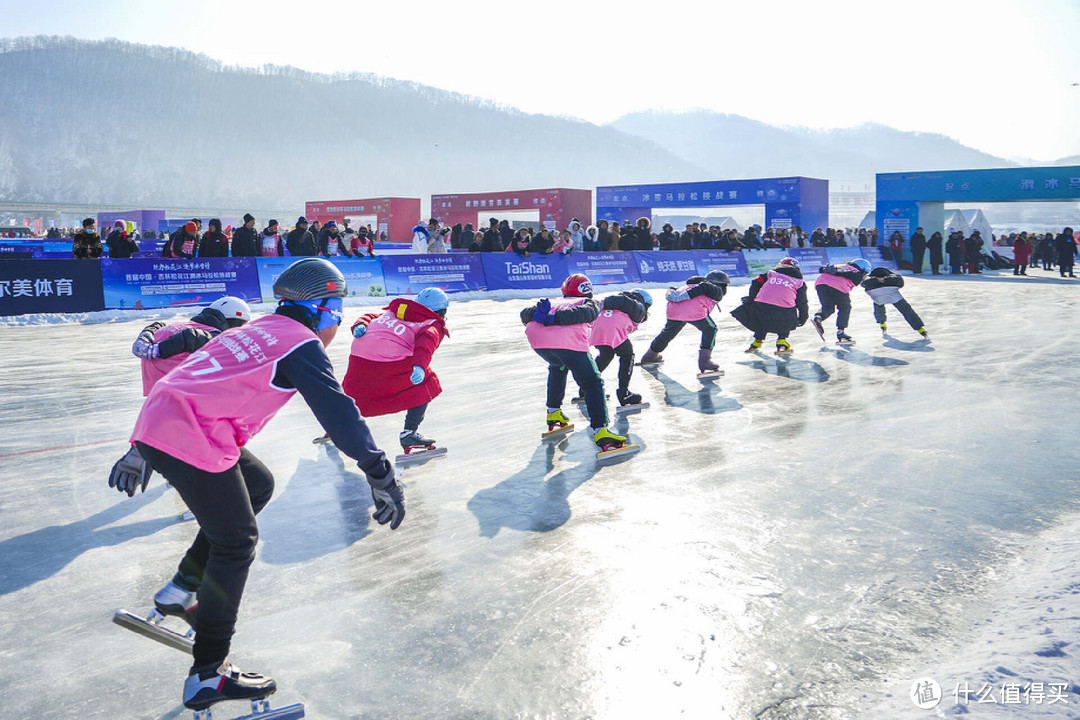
(692, 304)
(390, 362)
(883, 287)
(559, 333)
(620, 315)
(776, 304)
(834, 286)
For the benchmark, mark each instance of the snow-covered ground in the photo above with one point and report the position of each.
(803, 539)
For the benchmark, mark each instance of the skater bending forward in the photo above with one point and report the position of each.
(390, 361)
(620, 315)
(193, 429)
(558, 330)
(883, 287)
(691, 304)
(776, 304)
(834, 286)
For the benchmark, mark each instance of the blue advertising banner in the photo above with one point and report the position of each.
(704, 194)
(733, 263)
(606, 268)
(363, 276)
(510, 271)
(409, 274)
(49, 286)
(810, 259)
(873, 254)
(666, 267)
(138, 283)
(760, 261)
(21, 251)
(998, 184)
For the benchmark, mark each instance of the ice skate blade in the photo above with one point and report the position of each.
(784, 353)
(649, 365)
(325, 440)
(419, 456)
(845, 342)
(618, 452)
(261, 710)
(188, 515)
(710, 375)
(154, 631)
(629, 409)
(557, 433)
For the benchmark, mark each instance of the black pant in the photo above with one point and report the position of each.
(905, 309)
(216, 565)
(415, 416)
(672, 328)
(586, 375)
(625, 351)
(832, 299)
(917, 260)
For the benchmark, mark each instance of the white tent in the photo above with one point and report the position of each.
(869, 220)
(976, 220)
(956, 221)
(726, 223)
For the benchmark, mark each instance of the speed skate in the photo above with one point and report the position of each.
(419, 454)
(558, 432)
(628, 409)
(261, 710)
(151, 627)
(618, 451)
(710, 374)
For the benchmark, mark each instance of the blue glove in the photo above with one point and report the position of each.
(389, 499)
(674, 295)
(418, 374)
(359, 330)
(145, 348)
(543, 314)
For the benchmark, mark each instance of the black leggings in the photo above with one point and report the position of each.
(216, 565)
(415, 416)
(905, 309)
(672, 328)
(625, 351)
(833, 299)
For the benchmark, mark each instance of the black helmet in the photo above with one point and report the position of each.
(310, 279)
(718, 277)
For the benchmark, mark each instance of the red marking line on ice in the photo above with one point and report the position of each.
(62, 447)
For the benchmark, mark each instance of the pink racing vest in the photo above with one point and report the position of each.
(206, 409)
(692, 309)
(269, 245)
(154, 370)
(560, 337)
(779, 289)
(842, 284)
(611, 328)
(188, 246)
(388, 338)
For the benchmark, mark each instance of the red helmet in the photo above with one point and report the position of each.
(789, 262)
(577, 285)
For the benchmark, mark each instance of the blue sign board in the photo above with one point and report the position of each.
(510, 271)
(606, 268)
(998, 185)
(153, 283)
(49, 286)
(731, 262)
(409, 274)
(672, 266)
(363, 276)
(811, 259)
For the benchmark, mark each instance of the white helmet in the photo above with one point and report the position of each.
(233, 308)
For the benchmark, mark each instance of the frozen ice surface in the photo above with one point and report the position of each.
(801, 538)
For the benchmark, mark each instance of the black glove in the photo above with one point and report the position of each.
(389, 499)
(129, 472)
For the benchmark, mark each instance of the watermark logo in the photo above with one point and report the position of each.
(925, 693)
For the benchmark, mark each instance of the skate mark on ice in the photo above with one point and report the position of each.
(706, 399)
(58, 448)
(897, 344)
(858, 357)
(791, 368)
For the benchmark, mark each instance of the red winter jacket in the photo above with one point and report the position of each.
(1021, 253)
(383, 388)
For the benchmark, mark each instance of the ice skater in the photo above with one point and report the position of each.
(559, 333)
(161, 346)
(691, 304)
(193, 429)
(776, 304)
(834, 285)
(620, 315)
(883, 287)
(390, 363)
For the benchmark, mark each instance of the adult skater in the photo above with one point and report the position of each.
(776, 304)
(193, 428)
(161, 346)
(691, 304)
(390, 362)
(620, 315)
(559, 333)
(834, 284)
(883, 287)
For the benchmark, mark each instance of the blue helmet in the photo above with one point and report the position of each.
(861, 263)
(644, 294)
(433, 299)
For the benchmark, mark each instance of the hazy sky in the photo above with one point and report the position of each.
(995, 74)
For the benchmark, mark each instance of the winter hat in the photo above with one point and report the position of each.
(191, 227)
(119, 224)
(301, 220)
(331, 223)
(248, 217)
(88, 222)
(273, 223)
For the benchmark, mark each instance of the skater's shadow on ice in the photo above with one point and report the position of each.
(40, 554)
(917, 346)
(707, 399)
(528, 502)
(858, 357)
(801, 370)
(325, 508)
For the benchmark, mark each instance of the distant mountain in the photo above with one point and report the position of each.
(116, 122)
(732, 146)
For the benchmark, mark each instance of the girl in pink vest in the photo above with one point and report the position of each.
(390, 362)
(691, 304)
(162, 347)
(559, 332)
(834, 286)
(776, 304)
(620, 315)
(193, 429)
